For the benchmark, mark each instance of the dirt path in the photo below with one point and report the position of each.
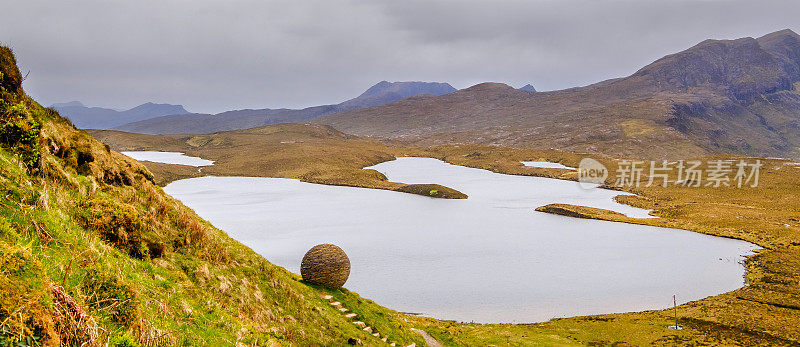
(429, 340)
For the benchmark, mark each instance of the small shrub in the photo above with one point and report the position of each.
(20, 132)
(113, 295)
(10, 78)
(74, 325)
(155, 249)
(124, 341)
(118, 224)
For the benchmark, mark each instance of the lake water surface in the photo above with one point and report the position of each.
(546, 165)
(489, 258)
(168, 158)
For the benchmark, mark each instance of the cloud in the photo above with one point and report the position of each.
(217, 55)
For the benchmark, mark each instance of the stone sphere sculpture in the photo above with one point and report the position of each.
(326, 265)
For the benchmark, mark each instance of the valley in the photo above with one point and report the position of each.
(765, 215)
(499, 245)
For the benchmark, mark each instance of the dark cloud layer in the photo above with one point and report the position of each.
(216, 55)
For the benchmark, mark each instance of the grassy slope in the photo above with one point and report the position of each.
(764, 312)
(137, 267)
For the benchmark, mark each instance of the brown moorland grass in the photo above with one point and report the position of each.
(767, 311)
(309, 152)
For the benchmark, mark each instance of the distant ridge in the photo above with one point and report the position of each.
(381, 93)
(105, 118)
(68, 104)
(721, 96)
(528, 87)
(386, 92)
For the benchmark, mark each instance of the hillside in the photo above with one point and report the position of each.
(92, 252)
(379, 94)
(720, 96)
(105, 118)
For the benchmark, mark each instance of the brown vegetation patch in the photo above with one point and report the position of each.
(75, 326)
(432, 190)
(580, 212)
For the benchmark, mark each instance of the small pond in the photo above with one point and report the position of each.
(168, 158)
(546, 165)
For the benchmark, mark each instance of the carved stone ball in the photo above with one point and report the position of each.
(326, 265)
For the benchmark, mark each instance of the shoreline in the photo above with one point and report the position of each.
(618, 218)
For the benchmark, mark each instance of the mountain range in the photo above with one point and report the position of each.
(106, 118)
(719, 96)
(379, 94)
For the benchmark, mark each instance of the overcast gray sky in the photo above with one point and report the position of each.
(213, 55)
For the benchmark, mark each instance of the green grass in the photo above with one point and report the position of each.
(384, 321)
(203, 288)
(137, 267)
